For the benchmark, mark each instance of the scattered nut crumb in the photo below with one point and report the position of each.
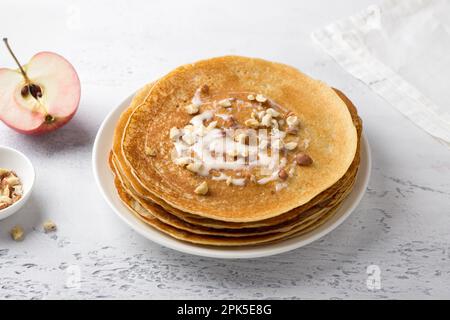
(266, 120)
(10, 188)
(49, 226)
(202, 188)
(17, 233)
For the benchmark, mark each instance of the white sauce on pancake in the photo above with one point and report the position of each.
(224, 153)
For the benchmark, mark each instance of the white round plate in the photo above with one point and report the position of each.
(105, 181)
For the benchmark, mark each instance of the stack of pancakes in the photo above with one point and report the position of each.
(162, 194)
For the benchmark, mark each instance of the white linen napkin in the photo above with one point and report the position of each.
(400, 49)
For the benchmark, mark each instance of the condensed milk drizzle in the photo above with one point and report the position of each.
(239, 154)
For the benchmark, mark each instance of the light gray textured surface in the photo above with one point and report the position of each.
(401, 225)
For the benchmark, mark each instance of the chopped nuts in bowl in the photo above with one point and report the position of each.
(10, 188)
(16, 180)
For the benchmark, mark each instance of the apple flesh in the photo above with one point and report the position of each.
(43, 102)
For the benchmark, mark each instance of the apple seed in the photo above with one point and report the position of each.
(49, 118)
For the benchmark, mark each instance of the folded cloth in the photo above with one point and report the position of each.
(400, 49)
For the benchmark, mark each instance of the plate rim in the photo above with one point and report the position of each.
(250, 252)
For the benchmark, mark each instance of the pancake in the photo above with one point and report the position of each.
(325, 122)
(187, 236)
(152, 210)
(237, 209)
(140, 192)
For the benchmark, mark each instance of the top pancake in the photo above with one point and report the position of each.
(325, 121)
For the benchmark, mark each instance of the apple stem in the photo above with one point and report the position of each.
(5, 40)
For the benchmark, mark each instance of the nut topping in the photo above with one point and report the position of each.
(225, 103)
(174, 133)
(202, 188)
(252, 123)
(303, 159)
(282, 174)
(192, 108)
(194, 167)
(290, 145)
(292, 121)
(10, 188)
(266, 120)
(260, 98)
(273, 112)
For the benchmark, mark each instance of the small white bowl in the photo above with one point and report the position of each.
(16, 161)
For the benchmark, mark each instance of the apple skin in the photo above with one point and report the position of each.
(61, 95)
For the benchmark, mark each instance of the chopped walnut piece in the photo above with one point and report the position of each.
(192, 108)
(225, 103)
(260, 98)
(272, 112)
(10, 188)
(174, 133)
(17, 233)
(49, 226)
(202, 188)
(184, 161)
(194, 167)
(252, 123)
(292, 121)
(290, 145)
(266, 120)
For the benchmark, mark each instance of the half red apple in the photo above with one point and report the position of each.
(40, 96)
